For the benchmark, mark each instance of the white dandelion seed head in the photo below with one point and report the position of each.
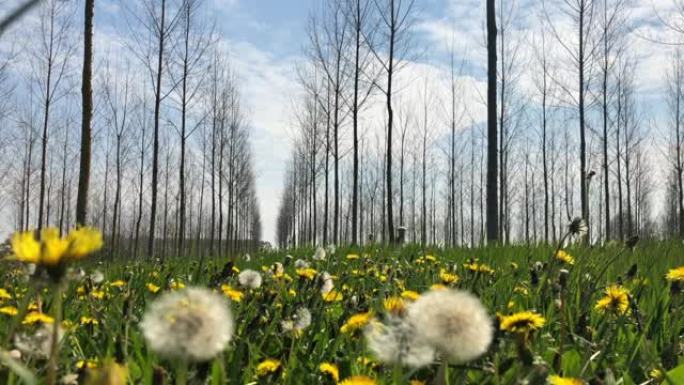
(97, 276)
(249, 279)
(320, 254)
(299, 321)
(331, 249)
(278, 268)
(454, 322)
(39, 343)
(354, 300)
(301, 264)
(247, 257)
(327, 283)
(397, 343)
(192, 324)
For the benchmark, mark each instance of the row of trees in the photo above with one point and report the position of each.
(564, 134)
(172, 169)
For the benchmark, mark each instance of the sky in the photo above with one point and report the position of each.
(266, 40)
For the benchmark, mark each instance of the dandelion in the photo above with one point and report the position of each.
(267, 366)
(117, 283)
(152, 288)
(249, 279)
(4, 294)
(320, 254)
(448, 278)
(410, 295)
(453, 322)
(578, 227)
(307, 273)
(85, 320)
(300, 321)
(522, 322)
(110, 373)
(615, 301)
(331, 370)
(398, 343)
(332, 296)
(328, 284)
(565, 257)
(192, 324)
(478, 268)
(52, 249)
(301, 264)
(394, 305)
(331, 249)
(656, 374)
(9, 310)
(37, 317)
(39, 343)
(353, 257)
(234, 295)
(358, 380)
(675, 275)
(558, 380)
(356, 322)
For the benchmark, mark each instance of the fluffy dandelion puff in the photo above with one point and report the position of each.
(300, 321)
(301, 264)
(453, 322)
(320, 254)
(192, 324)
(39, 343)
(249, 279)
(397, 343)
(327, 283)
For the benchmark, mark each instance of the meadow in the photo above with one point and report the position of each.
(583, 315)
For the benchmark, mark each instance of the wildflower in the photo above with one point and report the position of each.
(437, 287)
(358, 380)
(398, 343)
(352, 257)
(110, 373)
(307, 273)
(430, 258)
(328, 283)
(85, 320)
(52, 249)
(578, 227)
(9, 310)
(454, 322)
(97, 294)
(394, 305)
(4, 294)
(332, 296)
(331, 370)
(320, 254)
(675, 275)
(656, 374)
(616, 300)
(39, 343)
(301, 264)
(478, 268)
(176, 285)
(331, 249)
(558, 380)
(37, 317)
(118, 283)
(152, 288)
(356, 322)
(234, 295)
(409, 295)
(192, 324)
(448, 278)
(89, 364)
(97, 276)
(563, 256)
(249, 279)
(267, 366)
(300, 321)
(522, 322)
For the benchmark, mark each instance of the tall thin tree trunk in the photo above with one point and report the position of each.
(86, 115)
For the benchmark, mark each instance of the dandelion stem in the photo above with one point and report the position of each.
(181, 373)
(53, 362)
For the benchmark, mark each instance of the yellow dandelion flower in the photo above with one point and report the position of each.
(521, 290)
(332, 296)
(54, 246)
(565, 257)
(431, 258)
(675, 275)
(25, 247)
(448, 278)
(90, 364)
(234, 295)
(352, 257)
(307, 273)
(84, 241)
(331, 370)
(118, 283)
(394, 305)
(656, 374)
(292, 293)
(522, 322)
(53, 249)
(86, 320)
(152, 288)
(110, 374)
(175, 285)
(478, 268)
(558, 380)
(36, 317)
(4, 294)
(416, 382)
(9, 310)
(438, 286)
(358, 380)
(267, 366)
(356, 322)
(97, 294)
(410, 295)
(616, 300)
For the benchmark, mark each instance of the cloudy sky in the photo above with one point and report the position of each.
(267, 38)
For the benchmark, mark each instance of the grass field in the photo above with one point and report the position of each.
(575, 332)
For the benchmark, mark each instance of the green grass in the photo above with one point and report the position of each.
(595, 346)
